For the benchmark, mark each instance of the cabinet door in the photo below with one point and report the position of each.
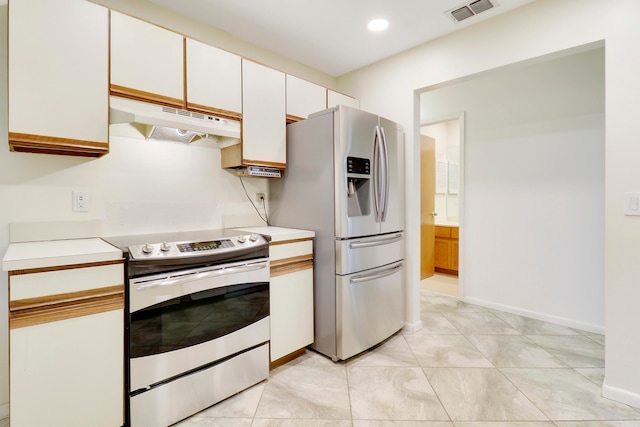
(68, 373)
(442, 253)
(291, 300)
(58, 77)
(214, 80)
(304, 98)
(147, 62)
(263, 116)
(336, 98)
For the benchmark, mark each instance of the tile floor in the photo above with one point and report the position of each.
(441, 283)
(468, 367)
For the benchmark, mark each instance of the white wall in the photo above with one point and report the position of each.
(534, 187)
(140, 186)
(540, 29)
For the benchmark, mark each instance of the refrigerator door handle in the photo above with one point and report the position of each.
(379, 242)
(385, 176)
(378, 275)
(378, 183)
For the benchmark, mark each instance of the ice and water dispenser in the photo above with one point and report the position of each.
(358, 186)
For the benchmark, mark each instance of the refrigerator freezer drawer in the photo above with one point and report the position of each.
(368, 252)
(370, 308)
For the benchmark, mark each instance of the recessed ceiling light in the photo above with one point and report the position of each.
(378, 24)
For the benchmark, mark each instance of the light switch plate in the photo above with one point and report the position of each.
(632, 203)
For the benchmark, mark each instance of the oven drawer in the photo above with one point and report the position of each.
(195, 392)
(148, 370)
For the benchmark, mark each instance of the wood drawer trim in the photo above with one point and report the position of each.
(286, 242)
(292, 119)
(275, 165)
(204, 109)
(65, 267)
(141, 95)
(29, 143)
(52, 308)
(291, 265)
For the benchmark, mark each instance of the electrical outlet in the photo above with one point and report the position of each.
(260, 197)
(80, 201)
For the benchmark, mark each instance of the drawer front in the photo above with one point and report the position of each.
(443, 231)
(290, 249)
(40, 284)
(52, 294)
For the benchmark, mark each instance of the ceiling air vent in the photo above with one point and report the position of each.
(468, 10)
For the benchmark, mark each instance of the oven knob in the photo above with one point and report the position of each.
(241, 239)
(164, 247)
(253, 237)
(147, 248)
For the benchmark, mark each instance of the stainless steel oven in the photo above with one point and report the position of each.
(198, 321)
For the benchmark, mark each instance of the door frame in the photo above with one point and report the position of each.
(429, 121)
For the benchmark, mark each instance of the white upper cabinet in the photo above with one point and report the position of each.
(58, 77)
(336, 98)
(304, 98)
(147, 61)
(214, 80)
(263, 116)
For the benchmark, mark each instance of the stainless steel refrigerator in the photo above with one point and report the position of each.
(344, 180)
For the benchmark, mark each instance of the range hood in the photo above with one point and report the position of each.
(168, 123)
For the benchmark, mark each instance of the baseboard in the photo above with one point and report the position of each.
(4, 411)
(620, 395)
(412, 327)
(563, 321)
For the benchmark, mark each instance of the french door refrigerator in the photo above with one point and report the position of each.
(344, 180)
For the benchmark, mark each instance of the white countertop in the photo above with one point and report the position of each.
(26, 255)
(279, 234)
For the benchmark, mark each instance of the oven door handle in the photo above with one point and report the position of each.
(177, 280)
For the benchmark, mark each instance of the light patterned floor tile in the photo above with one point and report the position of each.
(394, 393)
(575, 351)
(375, 423)
(481, 394)
(598, 423)
(300, 423)
(215, 422)
(504, 424)
(528, 326)
(393, 352)
(595, 375)
(564, 394)
(433, 322)
(514, 351)
(479, 323)
(306, 392)
(449, 351)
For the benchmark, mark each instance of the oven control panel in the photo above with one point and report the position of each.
(191, 248)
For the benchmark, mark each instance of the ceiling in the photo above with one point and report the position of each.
(331, 35)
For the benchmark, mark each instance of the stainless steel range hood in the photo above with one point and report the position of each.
(168, 123)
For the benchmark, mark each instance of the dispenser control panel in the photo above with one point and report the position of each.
(358, 165)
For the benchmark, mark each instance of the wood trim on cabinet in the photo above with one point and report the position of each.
(285, 359)
(52, 308)
(28, 143)
(65, 267)
(286, 242)
(291, 265)
(219, 112)
(292, 119)
(141, 95)
(276, 165)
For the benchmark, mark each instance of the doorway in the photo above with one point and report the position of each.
(440, 144)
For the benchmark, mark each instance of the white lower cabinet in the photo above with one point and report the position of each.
(68, 373)
(66, 345)
(291, 297)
